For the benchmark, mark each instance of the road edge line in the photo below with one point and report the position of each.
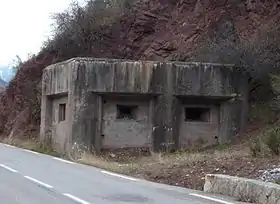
(63, 160)
(30, 151)
(119, 175)
(7, 145)
(75, 198)
(210, 198)
(38, 182)
(8, 168)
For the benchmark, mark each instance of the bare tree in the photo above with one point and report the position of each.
(76, 29)
(17, 63)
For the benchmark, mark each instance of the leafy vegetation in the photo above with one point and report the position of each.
(267, 143)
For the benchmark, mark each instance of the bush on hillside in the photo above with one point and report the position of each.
(267, 144)
(79, 30)
(259, 57)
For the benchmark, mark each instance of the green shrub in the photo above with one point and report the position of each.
(272, 140)
(267, 143)
(255, 148)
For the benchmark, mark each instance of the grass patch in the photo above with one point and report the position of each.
(155, 163)
(104, 163)
(266, 144)
(30, 144)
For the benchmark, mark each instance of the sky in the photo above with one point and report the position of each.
(24, 25)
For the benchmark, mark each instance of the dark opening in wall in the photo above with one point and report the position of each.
(197, 114)
(62, 112)
(126, 112)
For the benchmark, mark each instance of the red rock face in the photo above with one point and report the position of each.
(152, 29)
(158, 30)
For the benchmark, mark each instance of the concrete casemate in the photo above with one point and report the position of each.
(108, 103)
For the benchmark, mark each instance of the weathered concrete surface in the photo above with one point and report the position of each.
(242, 188)
(120, 133)
(160, 90)
(59, 128)
(199, 133)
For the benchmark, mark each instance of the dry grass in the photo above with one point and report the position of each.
(26, 144)
(187, 169)
(104, 163)
(135, 165)
(30, 144)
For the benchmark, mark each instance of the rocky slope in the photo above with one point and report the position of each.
(152, 29)
(172, 29)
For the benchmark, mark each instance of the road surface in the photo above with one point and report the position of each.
(30, 178)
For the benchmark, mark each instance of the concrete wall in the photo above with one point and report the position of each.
(56, 82)
(57, 78)
(157, 77)
(163, 84)
(59, 128)
(119, 133)
(199, 133)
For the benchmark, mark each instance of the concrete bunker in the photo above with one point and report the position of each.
(108, 104)
(57, 120)
(126, 121)
(199, 121)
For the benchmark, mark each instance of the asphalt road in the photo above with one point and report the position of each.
(31, 178)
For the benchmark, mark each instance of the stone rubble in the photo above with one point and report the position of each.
(272, 175)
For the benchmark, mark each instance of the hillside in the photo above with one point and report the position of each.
(146, 29)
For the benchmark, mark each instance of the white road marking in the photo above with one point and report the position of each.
(38, 182)
(120, 176)
(63, 160)
(9, 146)
(209, 198)
(76, 199)
(8, 168)
(26, 150)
